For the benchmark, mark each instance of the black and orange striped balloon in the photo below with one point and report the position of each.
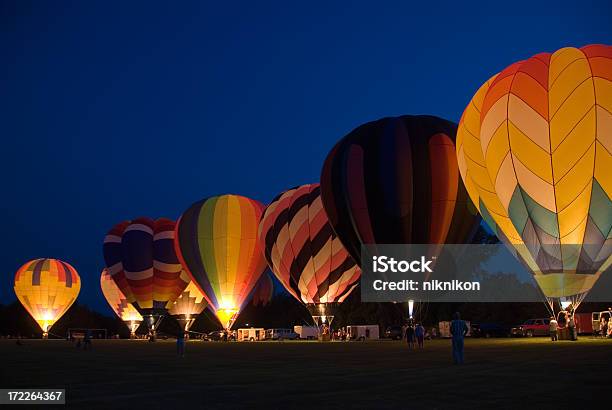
(264, 290)
(396, 181)
(302, 249)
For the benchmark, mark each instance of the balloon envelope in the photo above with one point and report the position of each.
(264, 290)
(118, 302)
(47, 288)
(140, 258)
(534, 150)
(303, 251)
(188, 306)
(216, 240)
(395, 181)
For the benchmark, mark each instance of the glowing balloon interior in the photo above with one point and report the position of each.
(534, 149)
(119, 303)
(217, 244)
(302, 249)
(140, 258)
(47, 288)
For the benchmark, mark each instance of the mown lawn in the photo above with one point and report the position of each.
(505, 373)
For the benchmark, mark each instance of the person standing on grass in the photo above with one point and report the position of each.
(419, 332)
(87, 340)
(458, 330)
(410, 336)
(572, 327)
(180, 344)
(553, 326)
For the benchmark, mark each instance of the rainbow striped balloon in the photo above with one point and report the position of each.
(216, 241)
(47, 288)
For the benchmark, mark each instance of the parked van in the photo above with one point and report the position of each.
(251, 334)
(363, 332)
(596, 320)
(281, 334)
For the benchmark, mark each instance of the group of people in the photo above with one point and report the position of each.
(566, 320)
(415, 335)
(84, 341)
(605, 326)
(341, 334)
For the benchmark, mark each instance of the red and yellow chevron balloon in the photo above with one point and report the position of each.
(534, 149)
(302, 249)
(47, 288)
(119, 303)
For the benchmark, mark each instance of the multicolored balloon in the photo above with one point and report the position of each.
(119, 303)
(47, 288)
(395, 181)
(140, 258)
(188, 306)
(216, 241)
(264, 290)
(534, 150)
(303, 251)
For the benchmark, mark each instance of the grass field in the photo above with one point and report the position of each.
(136, 374)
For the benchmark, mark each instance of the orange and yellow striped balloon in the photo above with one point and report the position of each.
(534, 149)
(47, 288)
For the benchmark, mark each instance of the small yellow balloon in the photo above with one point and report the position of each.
(47, 288)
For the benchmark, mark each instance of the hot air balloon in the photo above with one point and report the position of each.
(534, 150)
(119, 303)
(140, 258)
(188, 306)
(395, 181)
(264, 290)
(304, 252)
(47, 288)
(217, 244)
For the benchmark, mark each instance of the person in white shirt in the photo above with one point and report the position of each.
(553, 327)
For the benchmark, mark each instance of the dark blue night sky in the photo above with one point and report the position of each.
(114, 110)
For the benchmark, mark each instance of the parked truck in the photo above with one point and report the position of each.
(363, 332)
(281, 334)
(251, 334)
(306, 332)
